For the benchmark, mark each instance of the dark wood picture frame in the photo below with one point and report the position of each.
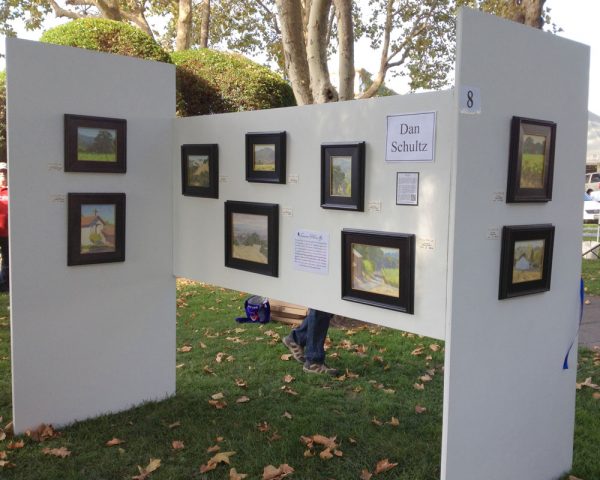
(336, 191)
(531, 160)
(254, 229)
(272, 157)
(110, 142)
(400, 289)
(528, 273)
(205, 183)
(90, 216)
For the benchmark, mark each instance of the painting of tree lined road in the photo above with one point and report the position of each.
(97, 228)
(376, 269)
(532, 163)
(96, 144)
(341, 176)
(250, 237)
(528, 261)
(198, 171)
(264, 158)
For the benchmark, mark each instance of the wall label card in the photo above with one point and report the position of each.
(374, 206)
(493, 233)
(287, 212)
(410, 138)
(407, 188)
(498, 197)
(311, 251)
(293, 179)
(426, 243)
(470, 100)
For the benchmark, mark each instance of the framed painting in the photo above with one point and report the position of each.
(252, 237)
(378, 268)
(200, 170)
(343, 176)
(266, 157)
(95, 144)
(526, 260)
(531, 160)
(96, 228)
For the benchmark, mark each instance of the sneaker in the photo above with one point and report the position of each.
(296, 350)
(320, 368)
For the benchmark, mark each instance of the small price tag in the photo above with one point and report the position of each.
(426, 243)
(493, 233)
(293, 179)
(287, 212)
(58, 198)
(55, 167)
(374, 207)
(222, 179)
(498, 197)
(470, 100)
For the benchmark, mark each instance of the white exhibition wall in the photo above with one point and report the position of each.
(88, 339)
(199, 222)
(509, 406)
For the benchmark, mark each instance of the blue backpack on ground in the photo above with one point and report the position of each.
(258, 310)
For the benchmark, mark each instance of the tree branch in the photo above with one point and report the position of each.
(62, 12)
(316, 52)
(346, 48)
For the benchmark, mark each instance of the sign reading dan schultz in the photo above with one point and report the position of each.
(410, 138)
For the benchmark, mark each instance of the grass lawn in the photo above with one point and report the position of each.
(590, 271)
(237, 394)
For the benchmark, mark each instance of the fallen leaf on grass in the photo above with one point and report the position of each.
(419, 409)
(213, 449)
(201, 345)
(217, 396)
(175, 424)
(177, 445)
(374, 421)
(288, 378)
(61, 452)
(114, 441)
(365, 475)
(277, 473)
(286, 357)
(328, 442)
(218, 404)
(425, 378)
(181, 365)
(419, 386)
(243, 399)
(394, 422)
(573, 477)
(587, 383)
(185, 349)
(15, 445)
(383, 466)
(222, 457)
(263, 427)
(352, 441)
(596, 395)
(326, 454)
(288, 390)
(287, 415)
(234, 475)
(274, 437)
(3, 455)
(2, 435)
(152, 466)
(240, 382)
(41, 433)
(418, 351)
(6, 464)
(434, 347)
(208, 370)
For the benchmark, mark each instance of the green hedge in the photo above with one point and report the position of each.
(216, 82)
(106, 36)
(3, 116)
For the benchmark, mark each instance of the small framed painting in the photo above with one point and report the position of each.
(252, 237)
(266, 157)
(96, 228)
(526, 260)
(343, 176)
(200, 170)
(95, 144)
(531, 160)
(378, 268)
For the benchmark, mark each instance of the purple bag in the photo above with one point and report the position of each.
(257, 309)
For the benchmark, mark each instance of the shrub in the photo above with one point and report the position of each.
(106, 36)
(3, 116)
(216, 82)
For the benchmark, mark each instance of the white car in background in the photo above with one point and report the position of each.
(591, 210)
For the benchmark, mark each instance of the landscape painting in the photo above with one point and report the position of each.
(532, 161)
(264, 158)
(376, 269)
(250, 237)
(528, 261)
(341, 176)
(97, 228)
(96, 145)
(198, 171)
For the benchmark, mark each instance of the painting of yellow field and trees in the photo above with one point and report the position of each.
(376, 269)
(97, 228)
(250, 237)
(264, 158)
(198, 173)
(341, 176)
(532, 161)
(528, 261)
(96, 144)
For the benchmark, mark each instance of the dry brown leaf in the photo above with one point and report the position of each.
(338, 453)
(152, 466)
(288, 378)
(289, 390)
(308, 453)
(263, 427)
(418, 351)
(287, 415)
(218, 404)
(219, 439)
(61, 452)
(114, 441)
(2, 435)
(365, 474)
(434, 347)
(181, 365)
(6, 464)
(234, 475)
(213, 449)
(201, 345)
(326, 454)
(3, 455)
(394, 422)
(328, 442)
(352, 441)
(389, 390)
(374, 421)
(240, 382)
(378, 359)
(596, 395)
(177, 445)
(286, 357)
(41, 433)
(573, 477)
(419, 386)
(175, 424)
(222, 457)
(220, 356)
(242, 399)
(425, 378)
(208, 370)
(274, 437)
(419, 409)
(383, 466)
(217, 396)
(277, 473)
(185, 349)
(15, 445)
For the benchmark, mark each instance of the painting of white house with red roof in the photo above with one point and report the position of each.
(97, 228)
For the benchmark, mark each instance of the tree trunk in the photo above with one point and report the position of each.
(346, 48)
(109, 9)
(204, 23)
(529, 12)
(294, 49)
(316, 51)
(184, 25)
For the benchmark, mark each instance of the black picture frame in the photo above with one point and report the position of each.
(95, 144)
(522, 272)
(204, 181)
(531, 160)
(100, 219)
(252, 237)
(374, 283)
(338, 162)
(271, 148)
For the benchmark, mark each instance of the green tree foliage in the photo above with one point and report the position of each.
(215, 82)
(106, 36)
(104, 143)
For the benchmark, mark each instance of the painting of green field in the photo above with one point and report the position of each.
(250, 237)
(341, 176)
(96, 144)
(528, 261)
(532, 161)
(264, 157)
(97, 228)
(198, 171)
(375, 269)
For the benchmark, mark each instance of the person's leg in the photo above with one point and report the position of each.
(4, 281)
(317, 325)
(296, 340)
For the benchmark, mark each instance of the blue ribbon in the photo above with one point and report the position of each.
(581, 300)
